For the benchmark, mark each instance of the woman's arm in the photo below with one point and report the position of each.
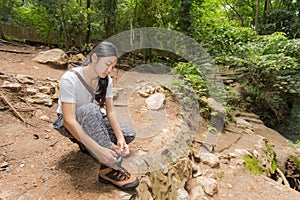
(115, 126)
(105, 155)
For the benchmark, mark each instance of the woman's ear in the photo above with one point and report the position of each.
(94, 57)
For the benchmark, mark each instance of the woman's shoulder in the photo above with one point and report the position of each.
(70, 73)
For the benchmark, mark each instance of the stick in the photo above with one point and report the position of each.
(285, 181)
(15, 51)
(7, 144)
(14, 110)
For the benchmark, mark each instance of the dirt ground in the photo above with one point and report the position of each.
(36, 161)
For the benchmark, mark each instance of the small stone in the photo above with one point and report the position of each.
(45, 89)
(209, 159)
(241, 152)
(45, 118)
(197, 171)
(24, 79)
(209, 185)
(4, 164)
(197, 193)
(7, 84)
(36, 136)
(155, 101)
(182, 194)
(32, 90)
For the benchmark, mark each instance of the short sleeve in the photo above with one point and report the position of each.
(67, 93)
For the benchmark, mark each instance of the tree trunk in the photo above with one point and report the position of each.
(185, 22)
(298, 6)
(111, 6)
(1, 32)
(257, 15)
(265, 12)
(64, 24)
(88, 32)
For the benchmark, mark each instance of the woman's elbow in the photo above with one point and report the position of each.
(69, 123)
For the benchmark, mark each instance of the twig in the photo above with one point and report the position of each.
(7, 144)
(285, 181)
(26, 102)
(14, 110)
(16, 51)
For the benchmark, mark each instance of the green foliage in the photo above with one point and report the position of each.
(252, 164)
(218, 34)
(264, 164)
(193, 76)
(297, 144)
(269, 70)
(295, 159)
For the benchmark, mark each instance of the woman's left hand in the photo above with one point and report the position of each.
(123, 147)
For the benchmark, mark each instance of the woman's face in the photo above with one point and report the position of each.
(104, 65)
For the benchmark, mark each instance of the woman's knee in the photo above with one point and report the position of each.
(89, 108)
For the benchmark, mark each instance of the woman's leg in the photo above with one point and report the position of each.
(128, 132)
(91, 119)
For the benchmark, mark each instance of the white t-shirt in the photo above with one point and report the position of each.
(72, 90)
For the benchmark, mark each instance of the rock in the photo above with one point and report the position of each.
(297, 151)
(32, 90)
(45, 89)
(143, 191)
(209, 159)
(182, 194)
(40, 98)
(54, 56)
(240, 122)
(146, 91)
(209, 185)
(215, 106)
(45, 118)
(4, 164)
(25, 79)
(77, 58)
(253, 120)
(241, 152)
(197, 171)
(7, 84)
(247, 115)
(197, 193)
(155, 101)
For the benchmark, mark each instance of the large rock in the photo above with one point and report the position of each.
(54, 56)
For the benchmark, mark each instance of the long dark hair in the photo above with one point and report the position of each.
(103, 49)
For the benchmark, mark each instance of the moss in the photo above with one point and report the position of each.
(271, 156)
(296, 160)
(252, 164)
(265, 164)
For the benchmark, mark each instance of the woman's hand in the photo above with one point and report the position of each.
(106, 156)
(123, 148)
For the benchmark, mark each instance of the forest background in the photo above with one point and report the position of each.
(257, 39)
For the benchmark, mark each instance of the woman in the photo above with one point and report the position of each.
(82, 91)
